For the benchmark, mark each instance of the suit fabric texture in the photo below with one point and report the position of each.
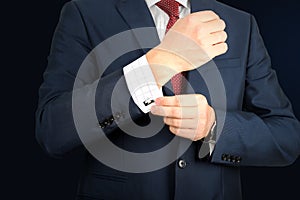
(260, 128)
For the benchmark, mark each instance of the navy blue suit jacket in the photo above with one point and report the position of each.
(260, 128)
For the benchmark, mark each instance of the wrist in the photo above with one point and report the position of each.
(164, 65)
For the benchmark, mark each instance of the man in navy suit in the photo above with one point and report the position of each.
(250, 124)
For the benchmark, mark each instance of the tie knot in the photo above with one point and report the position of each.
(171, 7)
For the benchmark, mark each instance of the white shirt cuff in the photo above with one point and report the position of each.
(141, 83)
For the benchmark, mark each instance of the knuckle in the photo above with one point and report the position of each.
(222, 48)
(220, 37)
(193, 99)
(189, 19)
(212, 13)
(166, 120)
(177, 100)
(201, 98)
(196, 137)
(225, 36)
(199, 30)
(222, 24)
(225, 47)
(174, 130)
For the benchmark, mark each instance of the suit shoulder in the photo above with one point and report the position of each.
(95, 8)
(230, 11)
(94, 3)
(233, 16)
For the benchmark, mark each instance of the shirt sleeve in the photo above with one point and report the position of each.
(141, 83)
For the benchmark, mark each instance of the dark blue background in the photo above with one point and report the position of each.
(27, 30)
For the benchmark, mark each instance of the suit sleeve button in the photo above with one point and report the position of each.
(101, 125)
(224, 157)
(117, 116)
(238, 159)
(232, 159)
(111, 119)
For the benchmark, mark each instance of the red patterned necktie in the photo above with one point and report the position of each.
(171, 7)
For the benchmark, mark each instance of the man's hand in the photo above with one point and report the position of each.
(190, 43)
(188, 116)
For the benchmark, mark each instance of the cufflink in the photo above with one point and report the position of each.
(148, 102)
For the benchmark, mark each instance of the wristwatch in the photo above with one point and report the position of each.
(205, 151)
(211, 137)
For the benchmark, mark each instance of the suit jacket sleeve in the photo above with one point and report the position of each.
(55, 127)
(266, 132)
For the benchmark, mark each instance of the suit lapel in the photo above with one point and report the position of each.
(137, 15)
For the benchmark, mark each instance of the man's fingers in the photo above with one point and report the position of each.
(181, 123)
(214, 38)
(186, 133)
(168, 101)
(187, 100)
(212, 26)
(187, 121)
(175, 112)
(205, 16)
(217, 49)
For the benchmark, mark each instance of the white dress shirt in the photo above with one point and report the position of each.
(138, 75)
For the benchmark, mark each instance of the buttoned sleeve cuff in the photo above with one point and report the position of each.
(141, 83)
